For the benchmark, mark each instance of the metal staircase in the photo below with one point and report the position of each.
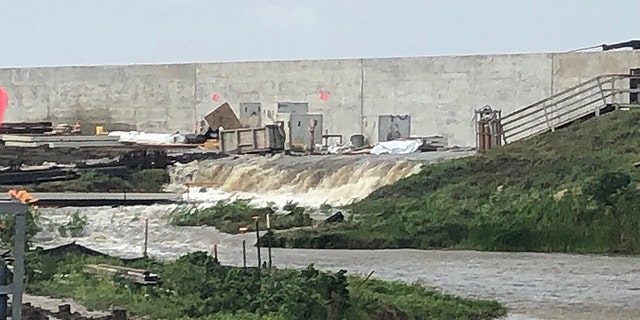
(590, 98)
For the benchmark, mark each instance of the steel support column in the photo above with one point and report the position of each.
(16, 288)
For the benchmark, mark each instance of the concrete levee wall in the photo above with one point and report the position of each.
(440, 93)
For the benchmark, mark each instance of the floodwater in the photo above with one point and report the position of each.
(533, 285)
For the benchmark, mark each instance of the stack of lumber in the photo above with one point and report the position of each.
(139, 276)
(25, 127)
(55, 141)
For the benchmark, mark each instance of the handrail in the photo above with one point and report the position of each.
(565, 106)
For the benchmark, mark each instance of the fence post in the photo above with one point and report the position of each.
(604, 98)
(546, 118)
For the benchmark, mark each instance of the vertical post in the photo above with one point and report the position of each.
(269, 238)
(18, 265)
(244, 254)
(312, 129)
(146, 236)
(244, 248)
(614, 94)
(256, 218)
(215, 251)
(3, 297)
(604, 98)
(546, 118)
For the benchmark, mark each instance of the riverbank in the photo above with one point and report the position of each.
(573, 190)
(197, 287)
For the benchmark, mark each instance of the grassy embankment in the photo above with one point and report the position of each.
(198, 287)
(575, 190)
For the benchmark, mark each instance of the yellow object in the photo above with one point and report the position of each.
(99, 130)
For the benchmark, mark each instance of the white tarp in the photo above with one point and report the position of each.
(396, 147)
(151, 138)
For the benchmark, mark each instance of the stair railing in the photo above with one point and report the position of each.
(567, 106)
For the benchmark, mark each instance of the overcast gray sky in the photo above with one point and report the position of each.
(81, 32)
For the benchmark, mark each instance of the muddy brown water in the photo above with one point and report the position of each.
(532, 285)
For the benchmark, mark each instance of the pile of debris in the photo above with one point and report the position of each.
(26, 127)
(403, 145)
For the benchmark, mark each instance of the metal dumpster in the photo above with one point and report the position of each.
(269, 138)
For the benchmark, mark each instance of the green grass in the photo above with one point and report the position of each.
(574, 190)
(229, 216)
(197, 287)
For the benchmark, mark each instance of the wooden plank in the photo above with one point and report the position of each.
(56, 138)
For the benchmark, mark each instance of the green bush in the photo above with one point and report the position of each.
(197, 287)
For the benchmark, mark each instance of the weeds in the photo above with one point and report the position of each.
(75, 226)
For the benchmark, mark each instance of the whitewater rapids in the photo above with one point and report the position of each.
(310, 180)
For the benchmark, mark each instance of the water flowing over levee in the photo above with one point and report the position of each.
(311, 180)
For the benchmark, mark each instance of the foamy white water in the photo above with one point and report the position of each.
(309, 181)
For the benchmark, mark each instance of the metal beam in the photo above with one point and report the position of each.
(19, 210)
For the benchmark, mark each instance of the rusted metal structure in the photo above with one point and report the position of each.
(270, 138)
(488, 129)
